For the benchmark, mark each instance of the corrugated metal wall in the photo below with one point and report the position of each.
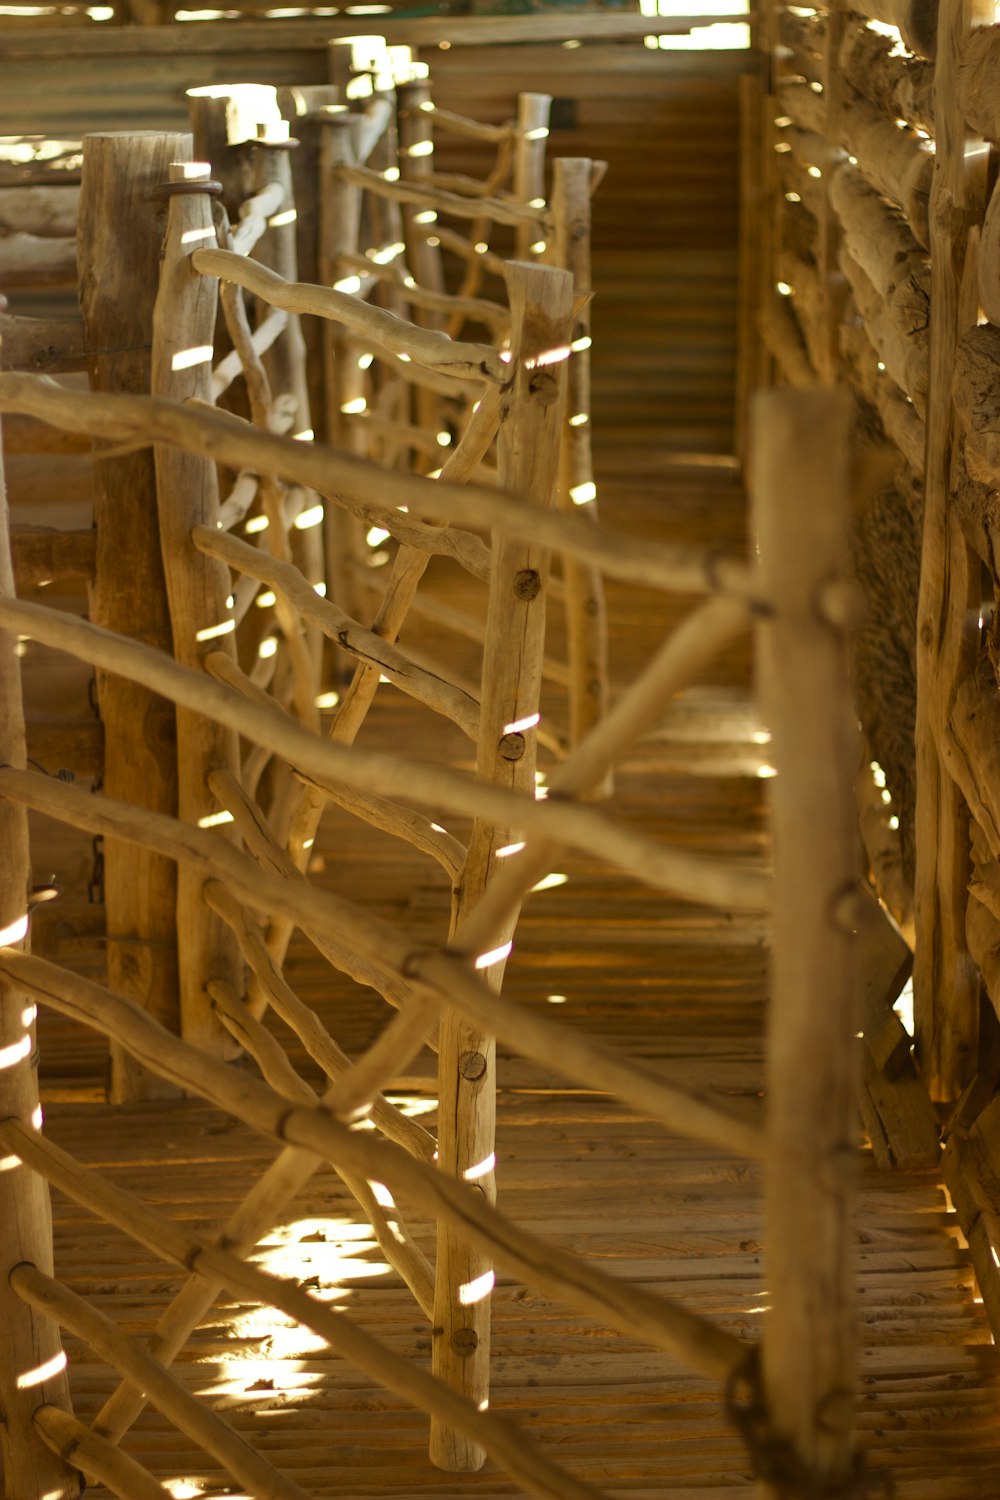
(665, 219)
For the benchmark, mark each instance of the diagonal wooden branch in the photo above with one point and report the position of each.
(424, 346)
(501, 210)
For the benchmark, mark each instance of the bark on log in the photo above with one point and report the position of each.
(978, 81)
(882, 244)
(40, 210)
(902, 348)
(118, 286)
(901, 424)
(898, 163)
(44, 345)
(530, 138)
(989, 260)
(901, 87)
(977, 401)
(915, 20)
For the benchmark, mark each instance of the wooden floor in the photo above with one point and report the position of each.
(661, 979)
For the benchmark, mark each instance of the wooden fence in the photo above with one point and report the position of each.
(867, 163)
(254, 770)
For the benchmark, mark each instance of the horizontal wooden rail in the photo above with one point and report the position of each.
(42, 345)
(425, 346)
(36, 262)
(354, 484)
(128, 1355)
(499, 210)
(567, 1277)
(472, 309)
(476, 130)
(41, 554)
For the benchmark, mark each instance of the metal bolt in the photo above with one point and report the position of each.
(511, 747)
(472, 1065)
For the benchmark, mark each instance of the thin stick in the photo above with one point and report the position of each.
(74, 1443)
(424, 346)
(263, 336)
(500, 210)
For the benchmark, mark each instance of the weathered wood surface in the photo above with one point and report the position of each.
(809, 1356)
(32, 1369)
(916, 20)
(946, 987)
(197, 588)
(118, 287)
(50, 346)
(976, 80)
(901, 87)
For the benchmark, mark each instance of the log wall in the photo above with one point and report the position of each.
(877, 268)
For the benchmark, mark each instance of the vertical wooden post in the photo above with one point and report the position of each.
(118, 281)
(800, 445)
(197, 586)
(586, 614)
(533, 111)
(340, 225)
(416, 160)
(541, 300)
(29, 1344)
(945, 979)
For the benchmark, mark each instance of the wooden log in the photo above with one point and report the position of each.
(900, 421)
(915, 20)
(807, 297)
(32, 1369)
(989, 260)
(127, 1354)
(67, 743)
(804, 105)
(128, 595)
(976, 79)
(471, 309)
(354, 484)
(36, 262)
(802, 40)
(977, 362)
(902, 88)
(982, 933)
(531, 133)
(801, 445)
(415, 125)
(902, 348)
(977, 1209)
(899, 164)
(782, 335)
(880, 241)
(72, 1442)
(945, 984)
(41, 210)
(586, 612)
(435, 350)
(658, 1321)
(44, 345)
(506, 210)
(41, 553)
(529, 447)
(197, 587)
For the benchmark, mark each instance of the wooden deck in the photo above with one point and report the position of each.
(662, 979)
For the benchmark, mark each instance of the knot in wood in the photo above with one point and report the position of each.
(527, 584)
(472, 1066)
(511, 747)
(543, 387)
(465, 1342)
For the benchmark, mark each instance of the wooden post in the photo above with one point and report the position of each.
(32, 1364)
(197, 586)
(541, 300)
(118, 281)
(586, 614)
(800, 446)
(945, 980)
(416, 160)
(533, 111)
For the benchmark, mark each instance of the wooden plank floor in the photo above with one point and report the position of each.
(659, 978)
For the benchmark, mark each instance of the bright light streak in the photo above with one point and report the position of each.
(306, 519)
(471, 1292)
(327, 700)
(14, 932)
(582, 343)
(579, 419)
(538, 248)
(186, 359)
(444, 439)
(540, 133)
(549, 882)
(365, 361)
(216, 819)
(348, 284)
(783, 288)
(509, 849)
(494, 956)
(266, 599)
(481, 1169)
(255, 524)
(518, 726)
(29, 1015)
(764, 772)
(481, 247)
(8, 1163)
(212, 632)
(582, 494)
(420, 148)
(376, 535)
(195, 236)
(286, 216)
(267, 647)
(18, 1051)
(556, 999)
(41, 1373)
(355, 407)
(320, 589)
(391, 174)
